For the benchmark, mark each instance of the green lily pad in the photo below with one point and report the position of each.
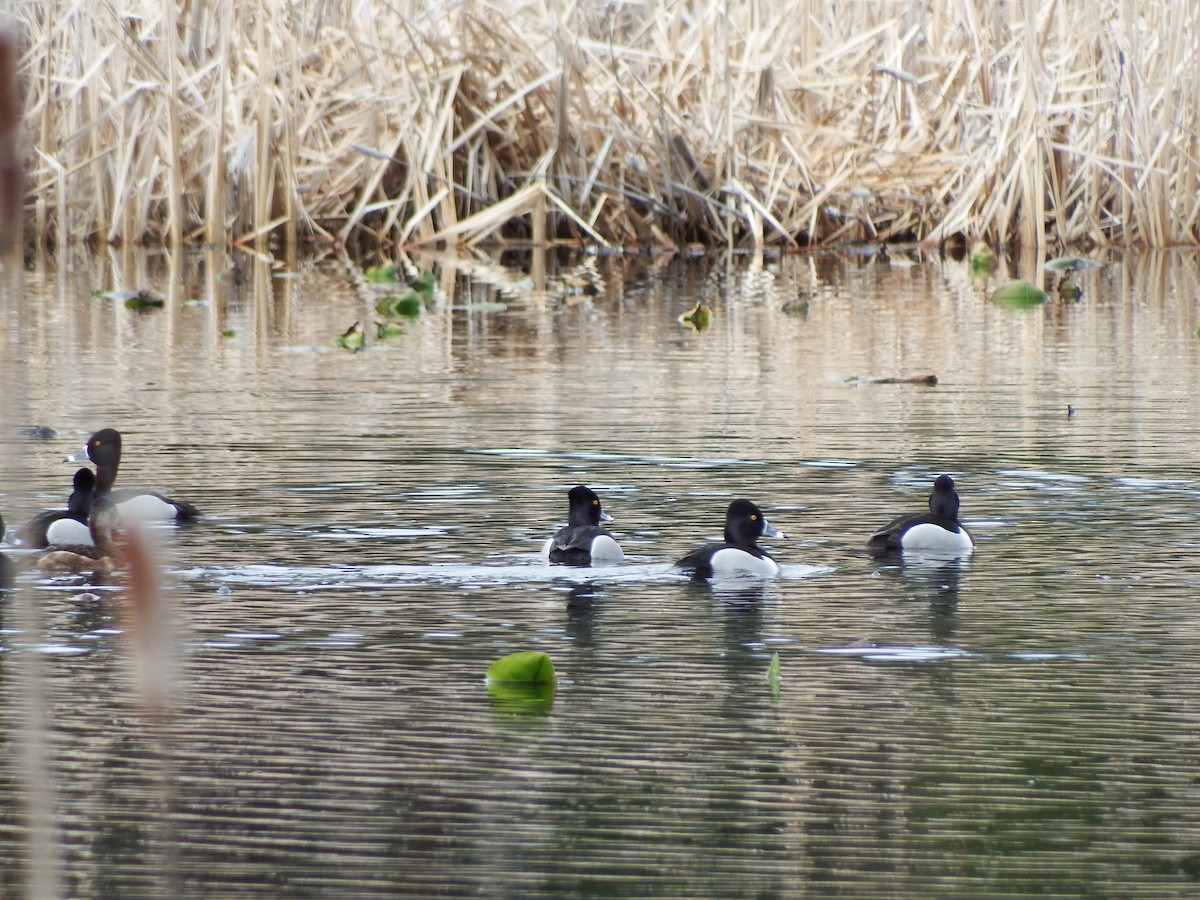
(408, 304)
(1020, 295)
(424, 285)
(524, 667)
(228, 332)
(797, 308)
(383, 274)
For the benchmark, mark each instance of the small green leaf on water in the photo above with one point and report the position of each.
(144, 300)
(983, 258)
(406, 304)
(352, 338)
(527, 666)
(1020, 295)
(228, 332)
(797, 308)
(699, 317)
(382, 274)
(424, 285)
(1069, 289)
(388, 329)
(773, 674)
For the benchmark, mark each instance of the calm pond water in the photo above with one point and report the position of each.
(1026, 721)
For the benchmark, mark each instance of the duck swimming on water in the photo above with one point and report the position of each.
(104, 449)
(937, 531)
(740, 554)
(100, 557)
(582, 541)
(63, 526)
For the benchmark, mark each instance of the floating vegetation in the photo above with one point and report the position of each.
(407, 304)
(533, 666)
(142, 299)
(388, 329)
(424, 286)
(353, 338)
(773, 675)
(524, 681)
(385, 274)
(1069, 289)
(797, 308)
(1020, 295)
(983, 258)
(699, 317)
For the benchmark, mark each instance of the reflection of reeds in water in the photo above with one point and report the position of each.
(639, 122)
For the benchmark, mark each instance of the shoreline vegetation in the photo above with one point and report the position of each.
(736, 123)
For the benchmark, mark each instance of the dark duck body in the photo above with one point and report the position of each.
(936, 532)
(63, 526)
(582, 540)
(100, 557)
(104, 449)
(740, 554)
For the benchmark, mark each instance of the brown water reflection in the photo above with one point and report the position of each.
(1024, 724)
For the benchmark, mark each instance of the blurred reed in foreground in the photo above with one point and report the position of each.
(685, 120)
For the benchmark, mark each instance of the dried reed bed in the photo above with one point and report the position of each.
(738, 121)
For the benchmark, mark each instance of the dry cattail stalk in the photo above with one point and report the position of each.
(670, 122)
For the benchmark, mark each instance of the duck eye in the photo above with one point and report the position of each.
(753, 517)
(595, 503)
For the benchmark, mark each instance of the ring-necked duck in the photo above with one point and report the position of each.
(582, 541)
(99, 557)
(744, 525)
(937, 531)
(63, 526)
(104, 449)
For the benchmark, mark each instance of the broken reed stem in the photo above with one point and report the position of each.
(397, 122)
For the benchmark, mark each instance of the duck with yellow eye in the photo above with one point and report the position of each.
(136, 505)
(582, 542)
(98, 558)
(740, 554)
